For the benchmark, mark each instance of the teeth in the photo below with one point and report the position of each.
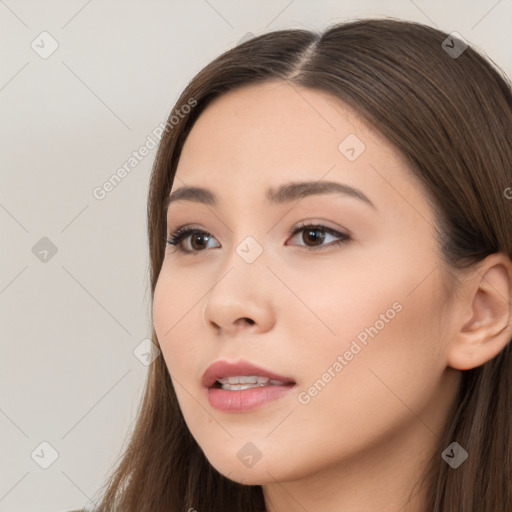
(254, 379)
(239, 383)
(240, 387)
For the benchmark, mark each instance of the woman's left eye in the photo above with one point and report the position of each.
(314, 233)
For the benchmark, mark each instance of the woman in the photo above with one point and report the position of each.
(329, 229)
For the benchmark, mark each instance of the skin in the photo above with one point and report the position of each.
(361, 443)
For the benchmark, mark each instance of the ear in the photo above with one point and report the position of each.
(484, 328)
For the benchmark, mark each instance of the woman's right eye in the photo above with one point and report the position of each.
(183, 234)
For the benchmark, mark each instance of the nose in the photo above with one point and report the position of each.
(240, 300)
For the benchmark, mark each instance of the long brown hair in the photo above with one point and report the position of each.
(450, 115)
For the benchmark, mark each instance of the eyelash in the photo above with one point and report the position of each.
(182, 233)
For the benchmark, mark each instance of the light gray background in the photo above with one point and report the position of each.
(69, 325)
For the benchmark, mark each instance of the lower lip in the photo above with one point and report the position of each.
(246, 399)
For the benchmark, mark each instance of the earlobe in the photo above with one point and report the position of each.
(488, 301)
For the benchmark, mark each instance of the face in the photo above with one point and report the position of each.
(348, 309)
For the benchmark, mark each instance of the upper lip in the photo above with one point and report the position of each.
(221, 369)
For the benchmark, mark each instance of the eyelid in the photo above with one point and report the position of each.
(321, 224)
(294, 227)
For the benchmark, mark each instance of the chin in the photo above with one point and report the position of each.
(250, 476)
(260, 473)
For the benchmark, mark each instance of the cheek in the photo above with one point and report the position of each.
(175, 309)
(390, 365)
(174, 314)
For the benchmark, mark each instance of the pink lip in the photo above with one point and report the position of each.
(247, 399)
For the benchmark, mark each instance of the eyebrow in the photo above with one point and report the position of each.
(283, 194)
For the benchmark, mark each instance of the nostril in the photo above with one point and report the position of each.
(245, 319)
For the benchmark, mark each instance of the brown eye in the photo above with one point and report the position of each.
(314, 235)
(198, 239)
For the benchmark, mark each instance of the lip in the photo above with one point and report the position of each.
(247, 399)
(220, 369)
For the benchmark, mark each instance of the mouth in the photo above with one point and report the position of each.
(242, 386)
(241, 375)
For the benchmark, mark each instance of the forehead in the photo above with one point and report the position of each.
(276, 116)
(265, 125)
